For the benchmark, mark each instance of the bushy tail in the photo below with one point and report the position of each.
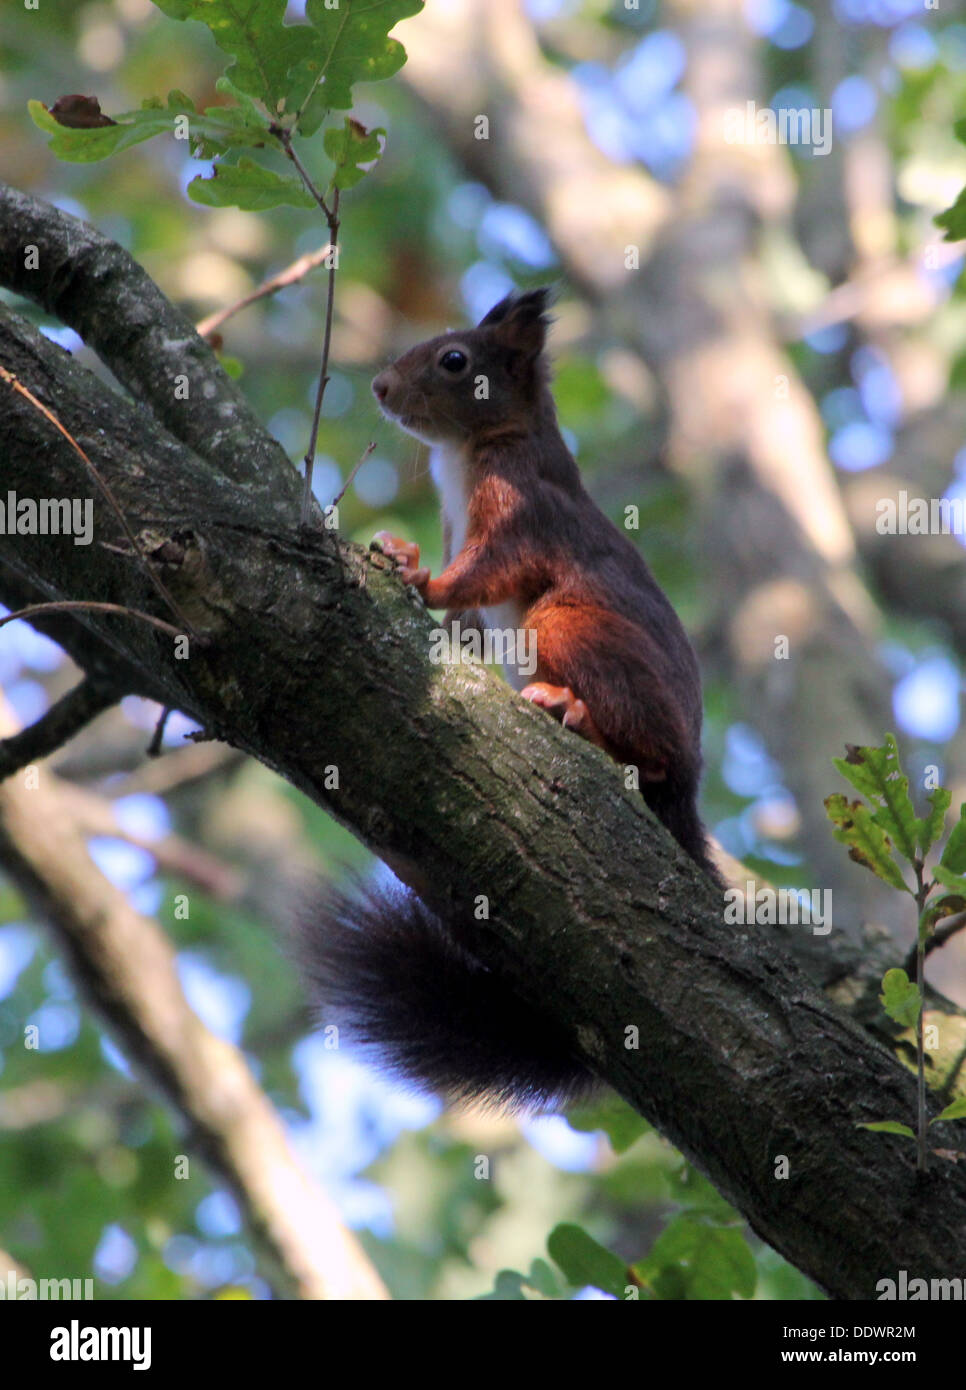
(675, 803)
(391, 974)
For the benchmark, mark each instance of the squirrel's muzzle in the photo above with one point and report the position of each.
(382, 383)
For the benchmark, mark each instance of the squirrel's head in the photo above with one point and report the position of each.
(461, 384)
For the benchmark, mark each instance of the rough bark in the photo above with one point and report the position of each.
(318, 659)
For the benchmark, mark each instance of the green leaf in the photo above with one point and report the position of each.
(900, 998)
(234, 366)
(622, 1125)
(248, 185)
(953, 220)
(253, 33)
(88, 146)
(509, 1284)
(349, 44)
(889, 1127)
(543, 1280)
(210, 133)
(583, 1261)
(237, 124)
(949, 879)
(350, 147)
(956, 1110)
(868, 844)
(929, 829)
(226, 88)
(507, 1287)
(220, 128)
(877, 774)
(695, 1259)
(692, 1191)
(954, 855)
(285, 65)
(944, 905)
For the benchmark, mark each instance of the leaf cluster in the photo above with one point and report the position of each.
(284, 82)
(882, 832)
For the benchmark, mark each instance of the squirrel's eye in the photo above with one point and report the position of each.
(453, 361)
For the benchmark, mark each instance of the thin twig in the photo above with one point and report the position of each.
(106, 493)
(324, 367)
(154, 747)
(68, 605)
(331, 214)
(284, 136)
(337, 499)
(285, 139)
(71, 713)
(922, 892)
(290, 276)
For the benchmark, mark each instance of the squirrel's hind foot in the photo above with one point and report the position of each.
(560, 701)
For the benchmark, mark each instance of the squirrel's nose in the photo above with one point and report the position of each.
(380, 386)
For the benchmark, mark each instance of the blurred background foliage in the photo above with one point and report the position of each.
(86, 1182)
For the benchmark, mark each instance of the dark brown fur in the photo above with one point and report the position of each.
(612, 660)
(605, 629)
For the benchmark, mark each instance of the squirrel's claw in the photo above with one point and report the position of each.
(395, 548)
(560, 701)
(406, 556)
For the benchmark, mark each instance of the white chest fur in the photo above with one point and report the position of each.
(447, 464)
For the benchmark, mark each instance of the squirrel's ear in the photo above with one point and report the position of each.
(519, 322)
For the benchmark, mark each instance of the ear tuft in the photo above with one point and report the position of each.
(520, 321)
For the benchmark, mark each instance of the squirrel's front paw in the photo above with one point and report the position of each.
(406, 556)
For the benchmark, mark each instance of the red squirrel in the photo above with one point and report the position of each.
(530, 550)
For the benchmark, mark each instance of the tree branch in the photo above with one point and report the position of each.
(93, 285)
(320, 661)
(108, 496)
(58, 724)
(291, 275)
